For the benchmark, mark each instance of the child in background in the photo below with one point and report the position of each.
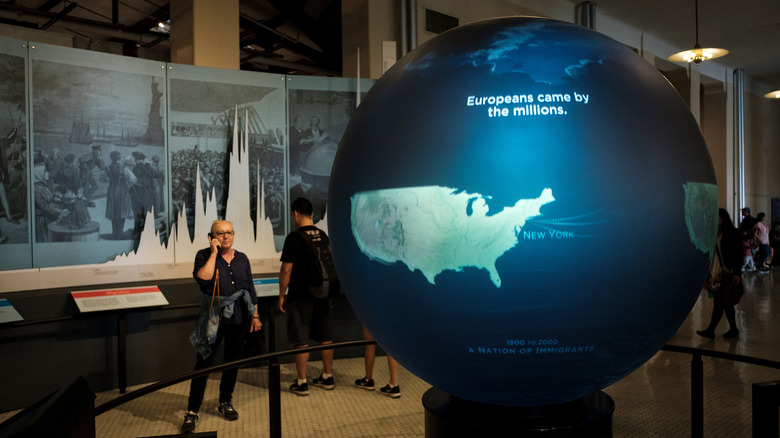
(747, 252)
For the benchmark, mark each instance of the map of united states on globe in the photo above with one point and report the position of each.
(434, 228)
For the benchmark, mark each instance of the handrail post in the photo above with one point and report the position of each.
(697, 396)
(766, 400)
(274, 399)
(121, 354)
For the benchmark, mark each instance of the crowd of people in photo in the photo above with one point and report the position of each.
(272, 178)
(66, 183)
(65, 189)
(213, 170)
(211, 167)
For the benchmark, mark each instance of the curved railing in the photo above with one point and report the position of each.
(274, 380)
(766, 395)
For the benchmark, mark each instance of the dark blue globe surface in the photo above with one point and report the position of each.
(522, 211)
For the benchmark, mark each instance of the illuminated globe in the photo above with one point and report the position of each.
(522, 211)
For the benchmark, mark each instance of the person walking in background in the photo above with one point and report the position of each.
(762, 236)
(774, 240)
(367, 382)
(748, 222)
(747, 254)
(725, 281)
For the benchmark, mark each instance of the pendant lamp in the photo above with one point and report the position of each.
(698, 53)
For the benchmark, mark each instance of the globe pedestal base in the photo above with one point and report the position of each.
(450, 416)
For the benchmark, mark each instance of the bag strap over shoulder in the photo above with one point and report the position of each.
(311, 233)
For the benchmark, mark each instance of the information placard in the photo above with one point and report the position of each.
(266, 287)
(8, 313)
(113, 299)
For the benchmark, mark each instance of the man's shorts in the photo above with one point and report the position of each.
(308, 318)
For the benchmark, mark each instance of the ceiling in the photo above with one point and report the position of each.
(304, 36)
(749, 29)
(278, 36)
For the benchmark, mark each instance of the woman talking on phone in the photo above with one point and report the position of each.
(228, 312)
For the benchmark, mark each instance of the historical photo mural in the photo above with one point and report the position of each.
(319, 112)
(202, 113)
(14, 220)
(105, 160)
(99, 136)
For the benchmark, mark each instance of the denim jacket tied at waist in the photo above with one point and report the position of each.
(205, 333)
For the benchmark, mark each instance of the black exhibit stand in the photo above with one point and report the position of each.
(449, 416)
(67, 413)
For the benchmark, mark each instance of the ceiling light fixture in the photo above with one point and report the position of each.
(698, 53)
(162, 26)
(773, 95)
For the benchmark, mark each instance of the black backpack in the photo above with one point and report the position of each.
(323, 279)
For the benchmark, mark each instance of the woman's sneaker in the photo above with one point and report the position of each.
(393, 392)
(226, 409)
(365, 384)
(190, 421)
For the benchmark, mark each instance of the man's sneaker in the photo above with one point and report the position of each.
(190, 421)
(324, 383)
(302, 389)
(393, 392)
(365, 384)
(226, 409)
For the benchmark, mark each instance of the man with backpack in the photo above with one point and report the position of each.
(304, 278)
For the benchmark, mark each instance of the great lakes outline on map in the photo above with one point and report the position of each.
(436, 228)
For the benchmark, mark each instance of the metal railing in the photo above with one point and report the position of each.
(765, 395)
(765, 400)
(274, 380)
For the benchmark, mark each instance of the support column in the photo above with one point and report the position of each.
(370, 25)
(205, 33)
(695, 77)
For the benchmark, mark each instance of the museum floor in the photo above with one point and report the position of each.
(654, 401)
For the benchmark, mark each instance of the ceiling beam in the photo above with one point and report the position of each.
(65, 11)
(49, 5)
(259, 60)
(268, 38)
(308, 25)
(162, 14)
(29, 12)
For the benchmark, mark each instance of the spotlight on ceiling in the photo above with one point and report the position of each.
(698, 53)
(162, 26)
